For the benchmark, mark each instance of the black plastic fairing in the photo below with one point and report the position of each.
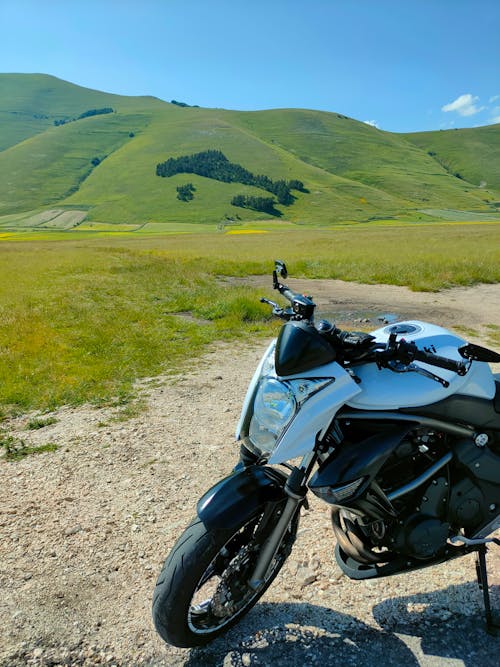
(360, 459)
(300, 348)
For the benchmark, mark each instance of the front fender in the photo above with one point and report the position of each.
(235, 498)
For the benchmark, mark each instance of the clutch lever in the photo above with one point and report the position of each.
(278, 311)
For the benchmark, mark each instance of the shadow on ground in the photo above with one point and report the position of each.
(417, 630)
(442, 632)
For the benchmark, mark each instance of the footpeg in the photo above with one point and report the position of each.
(460, 539)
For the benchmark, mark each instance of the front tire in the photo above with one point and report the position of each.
(203, 588)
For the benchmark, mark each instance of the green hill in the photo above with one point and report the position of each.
(469, 154)
(30, 103)
(104, 163)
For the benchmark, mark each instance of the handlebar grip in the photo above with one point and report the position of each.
(288, 293)
(302, 306)
(442, 362)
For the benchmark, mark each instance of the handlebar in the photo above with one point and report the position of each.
(302, 306)
(407, 353)
(442, 362)
(288, 293)
(356, 346)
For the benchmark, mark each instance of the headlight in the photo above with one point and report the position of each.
(274, 408)
(271, 405)
(275, 404)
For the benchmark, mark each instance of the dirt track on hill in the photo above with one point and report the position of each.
(84, 529)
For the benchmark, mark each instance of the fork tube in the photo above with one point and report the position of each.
(296, 490)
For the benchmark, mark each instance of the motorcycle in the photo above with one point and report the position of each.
(398, 430)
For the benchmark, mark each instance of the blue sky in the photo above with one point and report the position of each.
(403, 65)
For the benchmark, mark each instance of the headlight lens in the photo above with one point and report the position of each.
(275, 405)
(274, 408)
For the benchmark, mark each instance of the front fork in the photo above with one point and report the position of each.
(296, 490)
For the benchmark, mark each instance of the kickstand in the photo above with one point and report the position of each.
(492, 627)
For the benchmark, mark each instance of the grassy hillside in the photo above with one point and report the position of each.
(30, 103)
(105, 164)
(474, 154)
(361, 153)
(49, 166)
(141, 195)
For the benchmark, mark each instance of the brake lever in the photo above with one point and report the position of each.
(398, 367)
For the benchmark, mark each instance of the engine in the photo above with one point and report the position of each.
(431, 487)
(423, 532)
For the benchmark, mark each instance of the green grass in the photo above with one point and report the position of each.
(82, 322)
(16, 450)
(82, 319)
(493, 334)
(40, 422)
(423, 257)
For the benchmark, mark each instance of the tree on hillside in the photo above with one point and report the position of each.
(185, 192)
(95, 112)
(264, 204)
(239, 200)
(214, 164)
(85, 114)
(294, 184)
(282, 192)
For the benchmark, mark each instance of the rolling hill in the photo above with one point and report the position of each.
(67, 147)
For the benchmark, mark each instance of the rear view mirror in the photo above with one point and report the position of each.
(280, 268)
(478, 353)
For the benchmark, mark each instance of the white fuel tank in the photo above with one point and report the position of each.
(386, 390)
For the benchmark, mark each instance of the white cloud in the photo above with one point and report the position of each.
(494, 98)
(465, 105)
(373, 123)
(495, 119)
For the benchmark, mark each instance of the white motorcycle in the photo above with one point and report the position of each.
(398, 430)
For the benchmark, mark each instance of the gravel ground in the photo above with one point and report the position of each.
(84, 531)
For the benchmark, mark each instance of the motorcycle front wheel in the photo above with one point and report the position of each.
(203, 588)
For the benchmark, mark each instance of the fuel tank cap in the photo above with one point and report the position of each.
(403, 328)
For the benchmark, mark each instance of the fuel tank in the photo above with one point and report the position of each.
(386, 390)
